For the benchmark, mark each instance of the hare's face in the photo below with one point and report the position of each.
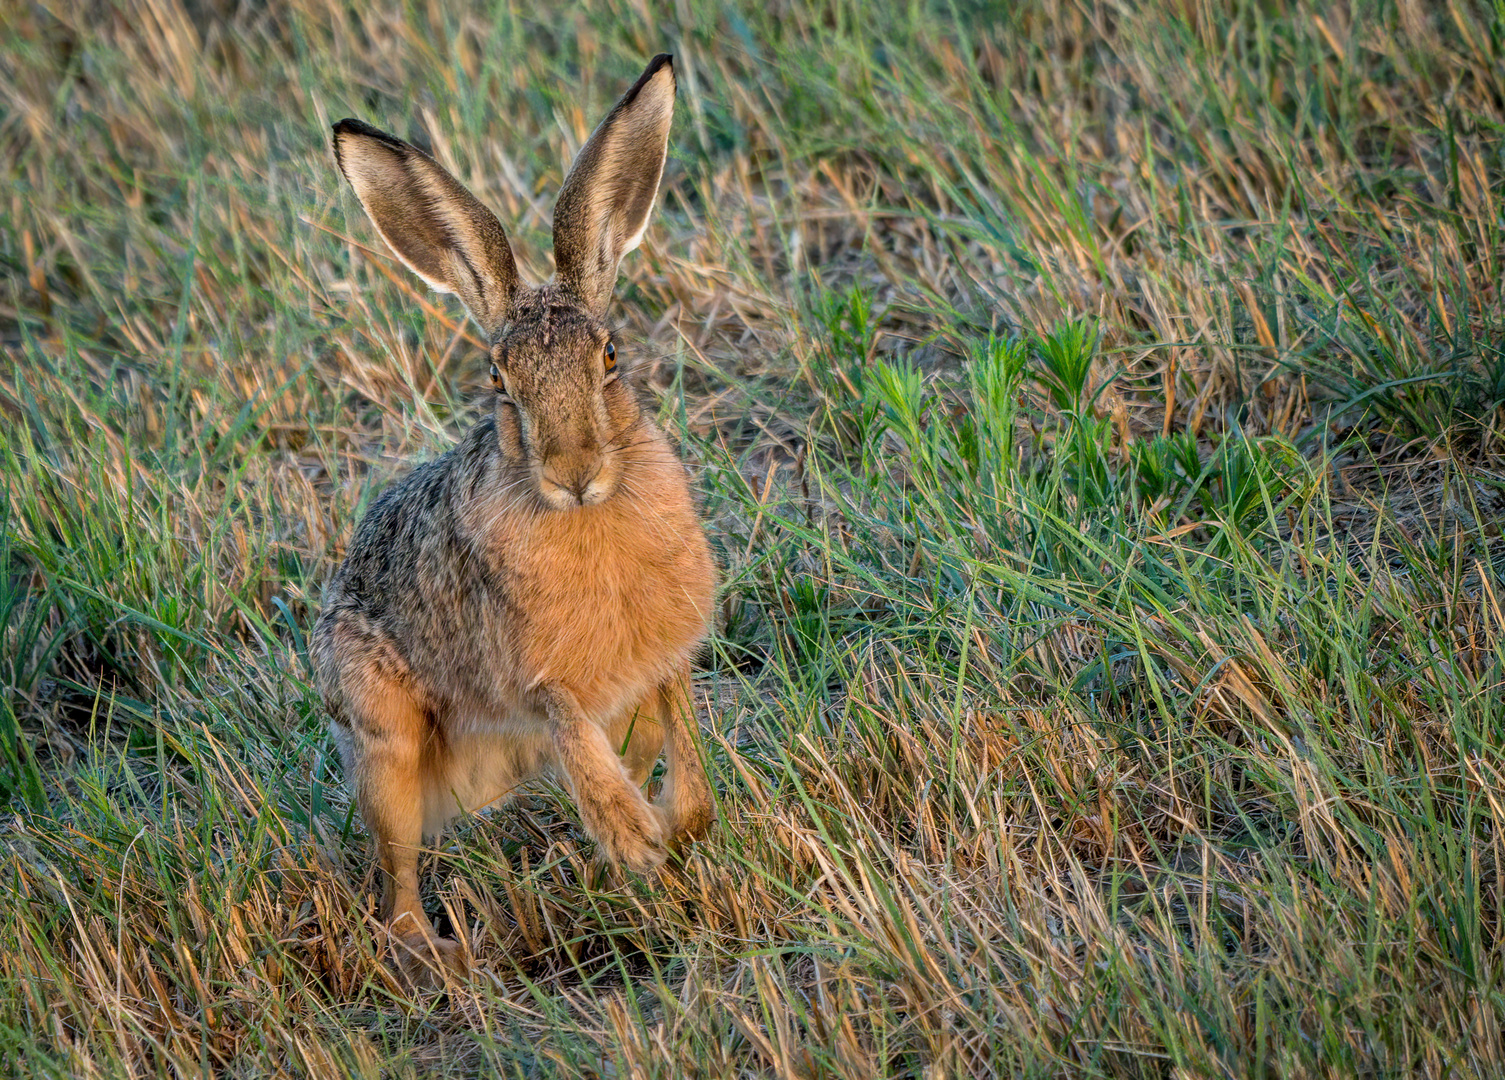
(562, 408)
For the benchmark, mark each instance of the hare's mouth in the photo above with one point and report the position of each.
(571, 489)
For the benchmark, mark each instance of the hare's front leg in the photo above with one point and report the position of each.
(628, 828)
(388, 734)
(686, 795)
(638, 737)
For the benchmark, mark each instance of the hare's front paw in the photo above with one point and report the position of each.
(687, 822)
(631, 832)
(427, 961)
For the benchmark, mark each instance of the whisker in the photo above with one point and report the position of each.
(644, 506)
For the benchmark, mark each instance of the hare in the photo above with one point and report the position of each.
(529, 602)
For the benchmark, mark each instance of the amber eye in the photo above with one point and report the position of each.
(611, 358)
(498, 383)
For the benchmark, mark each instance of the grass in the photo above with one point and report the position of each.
(1098, 411)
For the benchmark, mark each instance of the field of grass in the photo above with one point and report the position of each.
(1100, 412)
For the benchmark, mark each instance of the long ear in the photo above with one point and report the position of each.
(428, 219)
(604, 205)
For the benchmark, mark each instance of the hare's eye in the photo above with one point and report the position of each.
(611, 357)
(498, 383)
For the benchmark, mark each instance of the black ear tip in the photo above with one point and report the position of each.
(351, 126)
(662, 60)
(657, 64)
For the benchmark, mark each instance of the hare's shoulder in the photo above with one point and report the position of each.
(412, 521)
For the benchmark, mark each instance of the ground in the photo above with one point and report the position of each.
(1097, 408)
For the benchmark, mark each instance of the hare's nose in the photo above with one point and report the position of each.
(583, 477)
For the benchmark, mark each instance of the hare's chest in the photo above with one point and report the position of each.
(611, 616)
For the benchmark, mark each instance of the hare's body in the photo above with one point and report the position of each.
(528, 603)
(529, 597)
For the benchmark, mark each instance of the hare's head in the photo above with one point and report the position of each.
(561, 408)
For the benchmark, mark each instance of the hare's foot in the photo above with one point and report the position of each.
(630, 831)
(426, 961)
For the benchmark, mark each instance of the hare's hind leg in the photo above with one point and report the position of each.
(392, 743)
(628, 829)
(686, 795)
